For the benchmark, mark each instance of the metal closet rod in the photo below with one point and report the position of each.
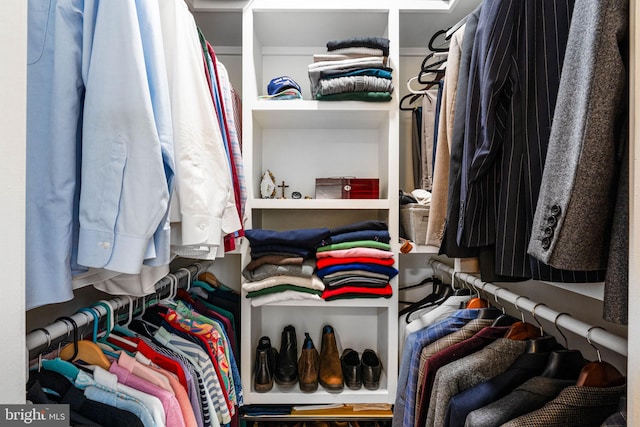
(598, 336)
(61, 331)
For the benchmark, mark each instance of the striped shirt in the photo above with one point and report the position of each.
(202, 364)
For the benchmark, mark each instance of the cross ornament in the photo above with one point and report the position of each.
(283, 186)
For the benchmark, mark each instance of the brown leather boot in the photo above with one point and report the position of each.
(308, 366)
(330, 376)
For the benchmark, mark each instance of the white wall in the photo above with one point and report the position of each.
(13, 86)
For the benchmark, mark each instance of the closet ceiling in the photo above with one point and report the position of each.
(221, 20)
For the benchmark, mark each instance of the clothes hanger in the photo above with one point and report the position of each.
(600, 373)
(435, 35)
(544, 343)
(478, 301)
(212, 279)
(47, 335)
(123, 329)
(440, 293)
(432, 296)
(437, 67)
(521, 330)
(462, 290)
(87, 351)
(58, 364)
(414, 94)
(451, 31)
(504, 319)
(563, 363)
(110, 324)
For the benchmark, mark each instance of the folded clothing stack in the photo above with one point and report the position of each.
(356, 262)
(282, 265)
(353, 69)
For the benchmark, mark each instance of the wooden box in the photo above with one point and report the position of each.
(347, 188)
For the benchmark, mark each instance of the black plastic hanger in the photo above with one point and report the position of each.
(563, 363)
(435, 35)
(436, 294)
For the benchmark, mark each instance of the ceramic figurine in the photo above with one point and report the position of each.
(268, 185)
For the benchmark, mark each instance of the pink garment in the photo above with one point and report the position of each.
(355, 252)
(169, 402)
(144, 372)
(181, 396)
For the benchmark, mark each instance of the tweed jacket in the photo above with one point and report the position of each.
(529, 396)
(458, 376)
(573, 216)
(575, 406)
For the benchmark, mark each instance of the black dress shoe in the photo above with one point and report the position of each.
(287, 366)
(265, 365)
(371, 369)
(351, 368)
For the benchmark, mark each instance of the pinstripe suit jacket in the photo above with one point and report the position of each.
(572, 221)
(514, 78)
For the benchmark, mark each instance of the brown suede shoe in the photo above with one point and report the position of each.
(308, 366)
(330, 376)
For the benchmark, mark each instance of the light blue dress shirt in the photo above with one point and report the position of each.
(97, 113)
(54, 95)
(124, 194)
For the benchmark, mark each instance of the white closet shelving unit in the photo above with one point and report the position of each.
(299, 141)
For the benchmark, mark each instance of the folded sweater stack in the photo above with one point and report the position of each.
(282, 265)
(353, 69)
(356, 262)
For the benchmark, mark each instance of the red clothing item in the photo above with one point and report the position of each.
(159, 359)
(325, 262)
(357, 292)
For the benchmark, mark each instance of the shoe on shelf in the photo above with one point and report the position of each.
(330, 375)
(371, 369)
(265, 365)
(287, 366)
(351, 368)
(308, 365)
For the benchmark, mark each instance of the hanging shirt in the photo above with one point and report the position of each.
(204, 207)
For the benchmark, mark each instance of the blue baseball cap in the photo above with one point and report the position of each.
(280, 84)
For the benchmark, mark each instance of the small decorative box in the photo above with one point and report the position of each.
(347, 188)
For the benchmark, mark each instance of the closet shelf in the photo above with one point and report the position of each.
(282, 395)
(331, 204)
(355, 302)
(301, 114)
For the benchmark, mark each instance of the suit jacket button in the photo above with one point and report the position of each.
(546, 243)
(548, 232)
(552, 221)
(556, 210)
